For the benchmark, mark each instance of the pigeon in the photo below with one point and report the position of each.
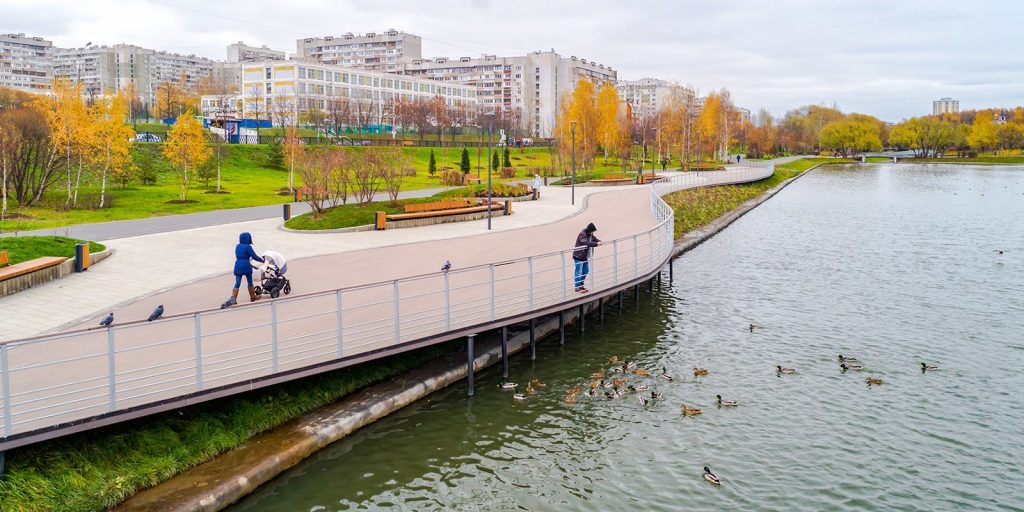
(157, 313)
(447, 266)
(107, 320)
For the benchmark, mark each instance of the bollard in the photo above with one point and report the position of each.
(286, 211)
(82, 257)
(381, 221)
(508, 207)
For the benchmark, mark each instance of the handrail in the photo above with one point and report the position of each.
(400, 311)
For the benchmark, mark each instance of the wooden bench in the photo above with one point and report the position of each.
(438, 205)
(643, 179)
(5, 259)
(383, 217)
(471, 178)
(27, 267)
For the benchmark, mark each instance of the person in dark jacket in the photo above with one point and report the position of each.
(585, 243)
(243, 254)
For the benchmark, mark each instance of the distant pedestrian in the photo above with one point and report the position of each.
(243, 254)
(664, 163)
(537, 181)
(738, 157)
(584, 248)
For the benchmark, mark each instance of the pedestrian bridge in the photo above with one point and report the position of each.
(62, 383)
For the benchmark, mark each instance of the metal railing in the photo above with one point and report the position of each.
(57, 379)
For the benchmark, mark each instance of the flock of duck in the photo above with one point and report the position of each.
(616, 383)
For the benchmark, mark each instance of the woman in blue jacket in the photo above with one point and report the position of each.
(243, 253)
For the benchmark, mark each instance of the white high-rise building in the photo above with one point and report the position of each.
(529, 86)
(241, 52)
(649, 95)
(26, 63)
(945, 106)
(374, 51)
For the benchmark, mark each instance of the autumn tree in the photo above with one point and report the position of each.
(291, 149)
(186, 148)
(929, 137)
(579, 107)
(609, 120)
(851, 134)
(984, 133)
(68, 121)
(1011, 136)
(111, 141)
(32, 160)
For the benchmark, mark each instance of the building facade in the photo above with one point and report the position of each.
(647, 96)
(528, 86)
(241, 52)
(284, 90)
(945, 106)
(373, 51)
(26, 63)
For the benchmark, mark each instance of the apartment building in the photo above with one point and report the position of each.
(530, 86)
(945, 106)
(241, 52)
(283, 89)
(647, 96)
(26, 63)
(109, 69)
(373, 51)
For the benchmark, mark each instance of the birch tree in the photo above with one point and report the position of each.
(186, 148)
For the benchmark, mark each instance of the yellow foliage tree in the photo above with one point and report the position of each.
(707, 125)
(68, 120)
(610, 119)
(187, 149)
(110, 143)
(291, 148)
(984, 132)
(579, 107)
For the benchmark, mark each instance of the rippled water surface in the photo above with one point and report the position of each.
(893, 264)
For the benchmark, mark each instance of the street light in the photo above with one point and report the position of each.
(490, 126)
(572, 125)
(654, 143)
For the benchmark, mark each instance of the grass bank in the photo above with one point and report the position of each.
(698, 206)
(352, 214)
(24, 248)
(96, 470)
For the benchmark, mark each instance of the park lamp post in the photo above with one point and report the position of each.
(654, 143)
(490, 127)
(572, 125)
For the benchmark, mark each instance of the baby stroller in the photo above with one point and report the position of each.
(272, 279)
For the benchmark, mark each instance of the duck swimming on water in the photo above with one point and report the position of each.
(700, 372)
(664, 374)
(853, 367)
(927, 367)
(711, 477)
(786, 371)
(848, 359)
(726, 403)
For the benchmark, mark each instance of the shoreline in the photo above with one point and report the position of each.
(224, 480)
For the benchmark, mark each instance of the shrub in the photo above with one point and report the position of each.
(504, 159)
(504, 190)
(464, 165)
(275, 157)
(451, 178)
(508, 172)
(432, 164)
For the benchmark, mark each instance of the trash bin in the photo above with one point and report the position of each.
(287, 213)
(82, 257)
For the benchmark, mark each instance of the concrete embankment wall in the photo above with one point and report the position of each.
(17, 284)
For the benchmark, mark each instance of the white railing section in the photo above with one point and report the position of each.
(60, 378)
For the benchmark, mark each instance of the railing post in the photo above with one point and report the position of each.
(111, 368)
(447, 304)
(529, 270)
(273, 336)
(341, 340)
(615, 261)
(5, 368)
(564, 283)
(199, 353)
(398, 331)
(491, 267)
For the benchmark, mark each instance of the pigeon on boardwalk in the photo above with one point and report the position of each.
(157, 313)
(447, 266)
(107, 320)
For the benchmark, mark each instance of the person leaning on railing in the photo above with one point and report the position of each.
(584, 248)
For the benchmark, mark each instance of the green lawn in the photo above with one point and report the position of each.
(696, 207)
(349, 215)
(24, 248)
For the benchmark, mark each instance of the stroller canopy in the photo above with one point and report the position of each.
(275, 258)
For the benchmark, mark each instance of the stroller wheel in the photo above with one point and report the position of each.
(287, 287)
(274, 293)
(258, 290)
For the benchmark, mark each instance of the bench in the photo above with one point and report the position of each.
(438, 205)
(383, 217)
(27, 267)
(643, 179)
(5, 258)
(706, 167)
(471, 178)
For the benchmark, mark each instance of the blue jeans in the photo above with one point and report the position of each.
(238, 279)
(582, 269)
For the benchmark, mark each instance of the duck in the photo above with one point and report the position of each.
(575, 390)
(853, 367)
(639, 372)
(617, 369)
(754, 326)
(726, 403)
(508, 385)
(848, 359)
(786, 371)
(641, 387)
(664, 374)
(656, 396)
(873, 381)
(613, 359)
(618, 382)
(606, 385)
(538, 383)
(711, 477)
(596, 384)
(519, 396)
(699, 372)
(598, 375)
(690, 411)
(927, 367)
(571, 399)
(643, 401)
(529, 389)
(630, 365)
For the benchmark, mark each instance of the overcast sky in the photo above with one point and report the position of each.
(889, 58)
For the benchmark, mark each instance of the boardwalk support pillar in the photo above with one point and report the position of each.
(670, 272)
(583, 317)
(533, 339)
(636, 294)
(600, 308)
(469, 364)
(504, 354)
(561, 328)
(621, 297)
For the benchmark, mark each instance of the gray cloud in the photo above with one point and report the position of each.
(874, 56)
